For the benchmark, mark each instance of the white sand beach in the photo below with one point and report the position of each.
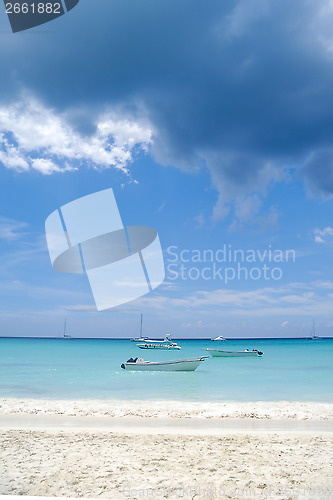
(166, 450)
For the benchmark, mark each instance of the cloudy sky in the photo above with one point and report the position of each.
(213, 123)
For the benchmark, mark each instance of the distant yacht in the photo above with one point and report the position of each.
(219, 338)
(313, 332)
(141, 338)
(66, 336)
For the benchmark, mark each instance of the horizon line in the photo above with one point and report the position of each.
(174, 338)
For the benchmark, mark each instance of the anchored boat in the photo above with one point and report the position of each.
(234, 354)
(141, 338)
(65, 335)
(159, 344)
(181, 365)
(314, 335)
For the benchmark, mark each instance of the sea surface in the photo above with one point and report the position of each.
(289, 370)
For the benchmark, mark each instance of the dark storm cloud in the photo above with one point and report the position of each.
(244, 87)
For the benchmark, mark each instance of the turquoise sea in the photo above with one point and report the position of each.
(291, 369)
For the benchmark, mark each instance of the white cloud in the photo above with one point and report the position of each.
(83, 308)
(11, 229)
(47, 167)
(294, 299)
(42, 292)
(33, 136)
(11, 157)
(248, 207)
(323, 235)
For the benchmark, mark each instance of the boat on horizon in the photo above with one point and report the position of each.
(185, 365)
(159, 344)
(65, 334)
(220, 338)
(219, 353)
(313, 332)
(141, 338)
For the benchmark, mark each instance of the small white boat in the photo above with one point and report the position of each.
(141, 338)
(165, 344)
(314, 336)
(66, 336)
(220, 338)
(217, 353)
(181, 365)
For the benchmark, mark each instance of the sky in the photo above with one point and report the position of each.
(213, 123)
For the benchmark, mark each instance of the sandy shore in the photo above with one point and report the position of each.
(119, 466)
(166, 450)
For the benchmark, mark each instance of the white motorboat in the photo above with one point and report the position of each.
(183, 365)
(141, 338)
(165, 344)
(220, 338)
(217, 353)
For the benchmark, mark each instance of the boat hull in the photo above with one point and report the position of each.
(184, 365)
(159, 347)
(217, 353)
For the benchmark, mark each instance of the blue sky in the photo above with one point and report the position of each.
(212, 122)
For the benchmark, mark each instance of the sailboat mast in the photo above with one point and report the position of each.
(65, 325)
(141, 327)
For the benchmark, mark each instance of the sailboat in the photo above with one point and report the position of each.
(146, 343)
(141, 338)
(66, 336)
(313, 332)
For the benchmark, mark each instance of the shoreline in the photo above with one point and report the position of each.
(167, 426)
(168, 409)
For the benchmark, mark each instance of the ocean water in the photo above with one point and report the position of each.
(289, 370)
